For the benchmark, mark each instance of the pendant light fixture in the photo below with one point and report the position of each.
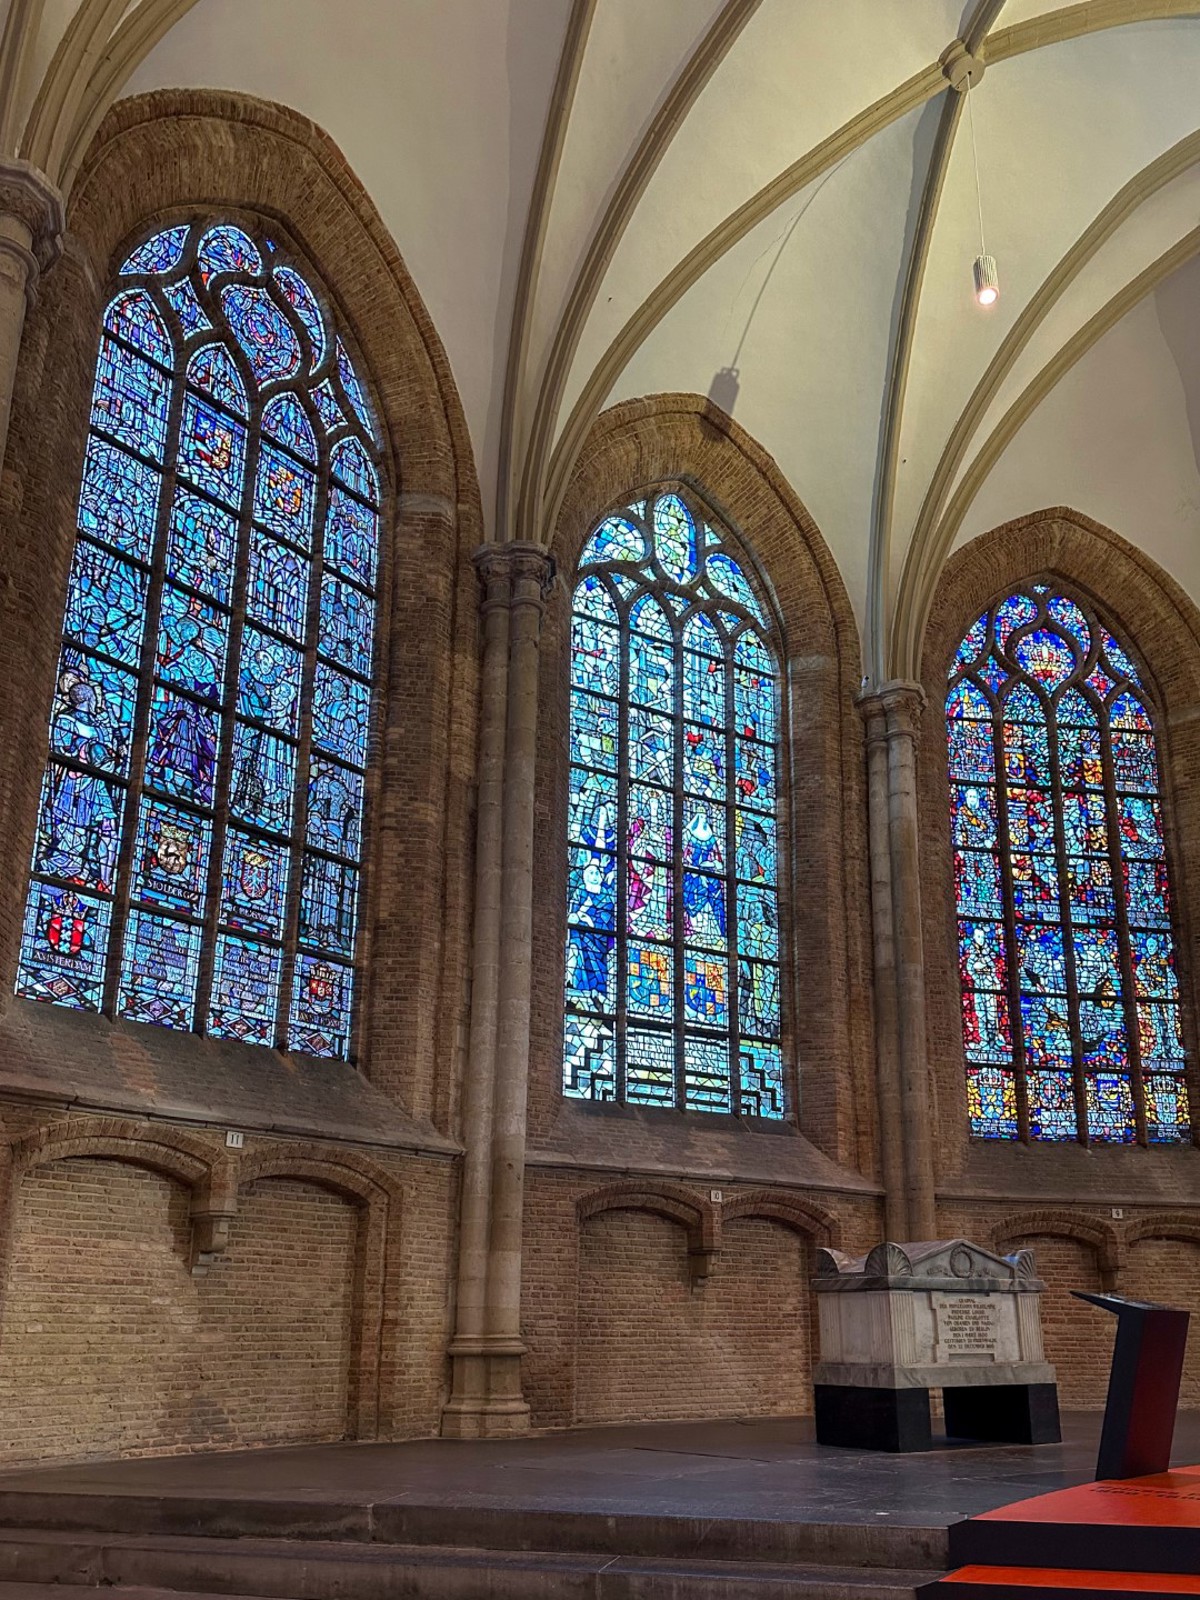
(987, 279)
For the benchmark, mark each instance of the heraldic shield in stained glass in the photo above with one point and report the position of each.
(1071, 1016)
(673, 960)
(196, 862)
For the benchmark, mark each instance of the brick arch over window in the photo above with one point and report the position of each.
(684, 440)
(158, 159)
(1147, 610)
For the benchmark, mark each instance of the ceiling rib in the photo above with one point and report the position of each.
(66, 77)
(126, 50)
(1184, 250)
(685, 91)
(558, 118)
(1024, 37)
(981, 24)
(21, 27)
(923, 560)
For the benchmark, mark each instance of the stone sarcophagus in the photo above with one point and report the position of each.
(943, 1314)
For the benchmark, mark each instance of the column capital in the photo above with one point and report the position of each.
(29, 198)
(893, 707)
(515, 562)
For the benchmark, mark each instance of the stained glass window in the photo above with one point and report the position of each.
(673, 957)
(197, 853)
(1071, 1016)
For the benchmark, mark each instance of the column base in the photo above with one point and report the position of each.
(485, 1391)
(872, 1419)
(1004, 1413)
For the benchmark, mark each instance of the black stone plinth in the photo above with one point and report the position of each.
(1004, 1413)
(872, 1419)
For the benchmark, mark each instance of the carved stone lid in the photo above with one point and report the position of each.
(949, 1265)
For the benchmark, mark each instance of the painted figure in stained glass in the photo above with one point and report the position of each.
(220, 703)
(1057, 844)
(668, 669)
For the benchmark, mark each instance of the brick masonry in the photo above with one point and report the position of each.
(162, 1292)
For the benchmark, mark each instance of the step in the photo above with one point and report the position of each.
(314, 1569)
(399, 1522)
(1044, 1583)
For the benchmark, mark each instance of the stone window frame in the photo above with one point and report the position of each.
(1150, 614)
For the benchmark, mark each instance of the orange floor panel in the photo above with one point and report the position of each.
(1028, 1583)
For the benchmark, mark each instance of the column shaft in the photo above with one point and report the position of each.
(31, 224)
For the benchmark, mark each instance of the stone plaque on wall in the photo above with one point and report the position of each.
(968, 1327)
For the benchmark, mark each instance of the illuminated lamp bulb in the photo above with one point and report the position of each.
(987, 281)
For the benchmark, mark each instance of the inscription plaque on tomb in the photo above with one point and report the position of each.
(967, 1327)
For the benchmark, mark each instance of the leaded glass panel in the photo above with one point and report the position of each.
(1071, 1018)
(672, 961)
(196, 862)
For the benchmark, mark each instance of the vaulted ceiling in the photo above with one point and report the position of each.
(771, 201)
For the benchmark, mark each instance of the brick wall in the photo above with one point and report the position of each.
(1078, 1337)
(1168, 1271)
(112, 1348)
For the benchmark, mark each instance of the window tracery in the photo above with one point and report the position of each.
(673, 975)
(198, 850)
(1071, 1015)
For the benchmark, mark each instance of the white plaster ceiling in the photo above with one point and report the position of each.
(441, 107)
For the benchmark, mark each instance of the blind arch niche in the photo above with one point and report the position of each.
(198, 852)
(673, 955)
(1071, 1013)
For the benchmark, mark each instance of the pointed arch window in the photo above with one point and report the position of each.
(1071, 1016)
(672, 965)
(197, 858)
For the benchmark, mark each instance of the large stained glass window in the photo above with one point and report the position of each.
(1071, 1018)
(197, 854)
(672, 969)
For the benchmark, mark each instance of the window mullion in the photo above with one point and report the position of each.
(1082, 1130)
(732, 981)
(621, 844)
(1133, 1038)
(1003, 854)
(678, 928)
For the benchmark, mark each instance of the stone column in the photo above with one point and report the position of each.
(31, 225)
(887, 1064)
(893, 715)
(486, 1399)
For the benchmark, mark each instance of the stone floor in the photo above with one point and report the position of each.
(766, 1470)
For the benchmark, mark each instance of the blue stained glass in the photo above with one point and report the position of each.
(1035, 888)
(594, 731)
(285, 421)
(760, 1070)
(675, 538)
(1089, 882)
(63, 948)
(1052, 1104)
(330, 412)
(182, 298)
(1081, 762)
(592, 599)
(212, 369)
(254, 882)
(758, 997)
(703, 835)
(263, 332)
(1153, 967)
(649, 1067)
(1135, 766)
(973, 642)
(320, 1011)
(1045, 656)
(651, 748)
(79, 827)
(647, 616)
(354, 389)
(226, 249)
(591, 969)
(1147, 893)
(755, 775)
(245, 989)
(650, 822)
(651, 672)
(592, 809)
(1159, 1035)
(118, 503)
(159, 970)
(201, 546)
(1041, 961)
(706, 1074)
(340, 713)
(704, 690)
(328, 905)
(351, 535)
(725, 575)
(351, 466)
(589, 1052)
(130, 400)
(757, 847)
(616, 539)
(1118, 659)
(705, 989)
(1084, 823)
(335, 802)
(171, 858)
(1071, 620)
(347, 625)
(212, 451)
(705, 921)
(91, 720)
(1140, 825)
(304, 303)
(650, 982)
(121, 820)
(283, 496)
(649, 899)
(277, 590)
(592, 888)
(758, 922)
(132, 317)
(966, 701)
(192, 637)
(106, 603)
(1166, 1109)
(972, 752)
(1110, 1108)
(269, 681)
(158, 254)
(754, 691)
(181, 751)
(263, 779)
(704, 766)
(1015, 612)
